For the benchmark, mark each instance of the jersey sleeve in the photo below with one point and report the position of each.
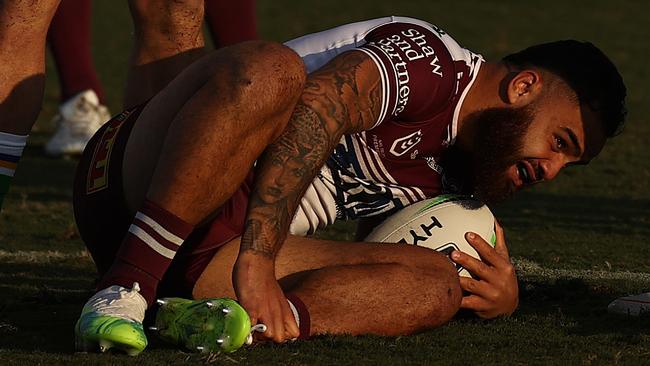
(416, 68)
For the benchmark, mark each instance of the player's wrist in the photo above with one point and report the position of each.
(250, 260)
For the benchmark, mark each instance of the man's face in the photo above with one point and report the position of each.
(516, 148)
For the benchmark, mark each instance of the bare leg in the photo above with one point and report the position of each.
(193, 146)
(23, 30)
(168, 38)
(354, 288)
(196, 141)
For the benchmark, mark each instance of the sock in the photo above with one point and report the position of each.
(301, 314)
(147, 250)
(69, 38)
(11, 149)
(231, 22)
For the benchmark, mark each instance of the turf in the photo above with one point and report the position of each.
(578, 243)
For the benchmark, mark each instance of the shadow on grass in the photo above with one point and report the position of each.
(40, 302)
(36, 169)
(39, 318)
(600, 215)
(582, 307)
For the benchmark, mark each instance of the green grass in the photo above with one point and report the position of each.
(578, 243)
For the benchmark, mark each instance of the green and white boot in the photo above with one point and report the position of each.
(112, 318)
(209, 325)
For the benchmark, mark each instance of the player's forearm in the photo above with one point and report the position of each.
(283, 172)
(334, 102)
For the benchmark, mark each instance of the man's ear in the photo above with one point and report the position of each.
(523, 87)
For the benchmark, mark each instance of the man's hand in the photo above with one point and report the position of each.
(260, 294)
(494, 291)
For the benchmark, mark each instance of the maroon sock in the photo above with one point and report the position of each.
(231, 22)
(69, 38)
(147, 250)
(303, 314)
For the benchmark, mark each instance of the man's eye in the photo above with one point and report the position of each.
(560, 143)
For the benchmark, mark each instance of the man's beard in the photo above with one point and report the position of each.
(497, 146)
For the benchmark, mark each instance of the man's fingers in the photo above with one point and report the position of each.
(485, 251)
(474, 303)
(253, 316)
(285, 326)
(270, 331)
(290, 325)
(500, 245)
(278, 323)
(274, 331)
(473, 265)
(479, 288)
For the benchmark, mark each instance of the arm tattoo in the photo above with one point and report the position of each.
(342, 97)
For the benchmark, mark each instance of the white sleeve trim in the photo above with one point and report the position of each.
(385, 86)
(454, 121)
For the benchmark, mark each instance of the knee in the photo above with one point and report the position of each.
(439, 283)
(269, 75)
(444, 289)
(270, 66)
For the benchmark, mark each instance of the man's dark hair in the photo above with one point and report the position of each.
(586, 69)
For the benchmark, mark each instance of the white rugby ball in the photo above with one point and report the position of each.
(439, 223)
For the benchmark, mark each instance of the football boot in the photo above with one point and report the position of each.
(208, 325)
(112, 319)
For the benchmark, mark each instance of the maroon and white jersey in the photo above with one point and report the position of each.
(425, 77)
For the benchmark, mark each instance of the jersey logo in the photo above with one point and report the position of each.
(433, 164)
(402, 145)
(98, 171)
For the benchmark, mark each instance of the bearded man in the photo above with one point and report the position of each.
(195, 192)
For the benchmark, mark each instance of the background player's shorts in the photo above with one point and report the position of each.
(103, 217)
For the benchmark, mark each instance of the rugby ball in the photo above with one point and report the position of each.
(439, 223)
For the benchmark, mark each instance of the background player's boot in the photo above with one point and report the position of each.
(208, 325)
(633, 305)
(112, 319)
(78, 120)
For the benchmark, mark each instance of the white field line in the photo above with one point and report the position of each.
(525, 268)
(529, 269)
(34, 288)
(35, 256)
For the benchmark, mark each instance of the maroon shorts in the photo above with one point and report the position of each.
(103, 218)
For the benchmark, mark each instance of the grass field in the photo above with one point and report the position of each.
(578, 243)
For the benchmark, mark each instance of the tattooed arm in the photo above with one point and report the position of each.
(342, 97)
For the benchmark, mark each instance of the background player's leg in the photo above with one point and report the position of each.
(230, 21)
(354, 288)
(70, 38)
(23, 30)
(168, 38)
(82, 111)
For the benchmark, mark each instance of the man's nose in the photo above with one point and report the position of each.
(551, 168)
